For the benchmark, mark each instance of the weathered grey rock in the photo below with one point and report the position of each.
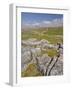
(25, 49)
(36, 51)
(44, 41)
(57, 69)
(42, 63)
(35, 42)
(42, 68)
(44, 59)
(31, 52)
(48, 67)
(26, 57)
(30, 42)
(29, 56)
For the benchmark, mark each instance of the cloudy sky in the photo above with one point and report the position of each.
(29, 20)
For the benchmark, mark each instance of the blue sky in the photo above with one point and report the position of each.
(41, 19)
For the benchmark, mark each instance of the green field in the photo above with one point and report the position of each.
(53, 35)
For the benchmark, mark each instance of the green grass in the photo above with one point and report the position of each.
(31, 71)
(53, 35)
(50, 52)
(54, 31)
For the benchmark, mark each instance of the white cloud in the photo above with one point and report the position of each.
(54, 23)
(46, 22)
(57, 22)
(36, 24)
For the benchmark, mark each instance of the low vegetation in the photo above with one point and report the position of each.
(31, 71)
(53, 35)
(50, 52)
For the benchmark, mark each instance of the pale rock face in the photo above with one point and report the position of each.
(43, 41)
(48, 46)
(26, 57)
(42, 68)
(51, 46)
(57, 69)
(36, 51)
(32, 40)
(43, 62)
(44, 59)
(29, 56)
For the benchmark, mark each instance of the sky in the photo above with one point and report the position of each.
(29, 20)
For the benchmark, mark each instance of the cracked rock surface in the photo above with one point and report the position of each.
(31, 53)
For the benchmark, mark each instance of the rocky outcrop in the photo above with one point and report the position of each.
(31, 52)
(44, 44)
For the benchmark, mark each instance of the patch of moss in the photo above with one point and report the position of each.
(52, 53)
